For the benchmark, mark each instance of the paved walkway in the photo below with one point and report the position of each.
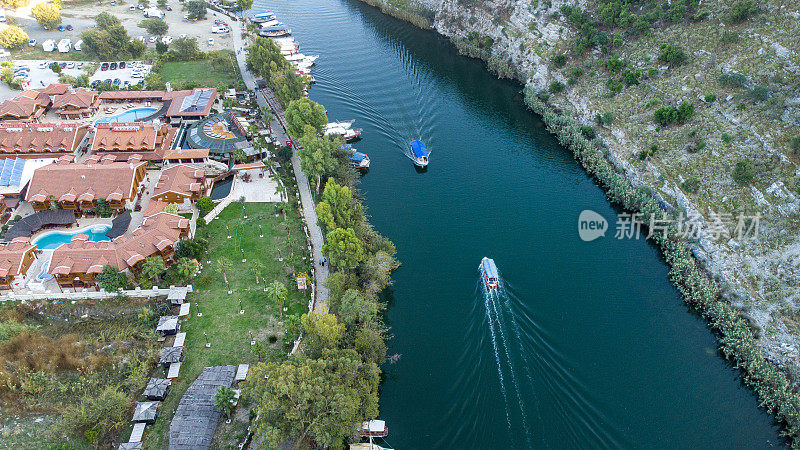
(306, 198)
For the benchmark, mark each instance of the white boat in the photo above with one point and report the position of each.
(489, 274)
(342, 129)
(263, 16)
(269, 23)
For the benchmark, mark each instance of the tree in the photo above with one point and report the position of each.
(153, 267)
(265, 57)
(244, 5)
(185, 268)
(744, 171)
(172, 208)
(343, 248)
(205, 205)
(162, 3)
(155, 25)
(191, 248)
(258, 269)
(321, 400)
(317, 155)
(672, 55)
(741, 11)
(110, 41)
(353, 308)
(186, 46)
(161, 47)
(55, 67)
(154, 81)
(13, 37)
(238, 155)
(224, 399)
(304, 112)
(111, 279)
(277, 291)
(223, 266)
(322, 330)
(47, 15)
(197, 9)
(337, 208)
(106, 20)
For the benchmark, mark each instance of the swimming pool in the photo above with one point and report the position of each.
(128, 116)
(53, 239)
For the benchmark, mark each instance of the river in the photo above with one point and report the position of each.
(589, 344)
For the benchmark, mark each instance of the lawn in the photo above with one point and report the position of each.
(226, 329)
(181, 73)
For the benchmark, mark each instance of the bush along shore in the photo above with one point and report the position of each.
(320, 395)
(737, 340)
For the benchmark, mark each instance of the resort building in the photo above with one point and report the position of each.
(78, 263)
(15, 259)
(190, 105)
(79, 186)
(76, 104)
(186, 156)
(179, 183)
(131, 96)
(150, 140)
(28, 106)
(220, 133)
(30, 140)
(54, 89)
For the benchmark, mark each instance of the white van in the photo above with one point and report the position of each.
(219, 30)
(65, 45)
(2, 16)
(153, 12)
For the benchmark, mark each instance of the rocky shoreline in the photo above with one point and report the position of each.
(744, 276)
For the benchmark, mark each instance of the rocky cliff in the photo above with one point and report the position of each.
(625, 70)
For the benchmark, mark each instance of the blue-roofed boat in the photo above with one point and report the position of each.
(359, 160)
(419, 153)
(489, 274)
(262, 16)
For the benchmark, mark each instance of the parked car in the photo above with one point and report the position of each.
(62, 65)
(112, 66)
(121, 64)
(70, 65)
(61, 28)
(32, 42)
(43, 65)
(166, 40)
(169, 8)
(152, 39)
(210, 41)
(140, 38)
(132, 8)
(116, 82)
(79, 65)
(107, 80)
(182, 35)
(113, 3)
(69, 27)
(104, 66)
(94, 83)
(141, 6)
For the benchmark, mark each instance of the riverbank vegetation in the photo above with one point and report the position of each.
(79, 365)
(321, 394)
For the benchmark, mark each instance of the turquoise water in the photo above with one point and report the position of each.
(128, 116)
(589, 345)
(53, 239)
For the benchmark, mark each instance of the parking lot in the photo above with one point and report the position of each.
(40, 74)
(81, 18)
(132, 72)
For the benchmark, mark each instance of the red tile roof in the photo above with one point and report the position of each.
(54, 89)
(12, 255)
(186, 153)
(19, 137)
(157, 232)
(132, 136)
(180, 179)
(67, 181)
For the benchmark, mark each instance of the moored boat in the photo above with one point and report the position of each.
(374, 428)
(419, 153)
(263, 16)
(274, 31)
(489, 274)
(359, 160)
(343, 129)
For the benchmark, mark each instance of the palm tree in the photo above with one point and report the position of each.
(152, 267)
(277, 294)
(258, 268)
(185, 268)
(223, 266)
(224, 399)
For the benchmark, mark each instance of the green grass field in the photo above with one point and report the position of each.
(226, 329)
(179, 73)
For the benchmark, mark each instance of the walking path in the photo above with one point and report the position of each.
(306, 198)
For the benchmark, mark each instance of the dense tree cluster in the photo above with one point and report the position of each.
(110, 40)
(48, 15)
(669, 115)
(13, 37)
(266, 60)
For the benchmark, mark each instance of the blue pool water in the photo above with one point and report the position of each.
(53, 239)
(128, 116)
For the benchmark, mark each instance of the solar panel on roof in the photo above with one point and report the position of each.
(16, 172)
(5, 175)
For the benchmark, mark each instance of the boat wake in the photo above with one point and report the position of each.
(527, 380)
